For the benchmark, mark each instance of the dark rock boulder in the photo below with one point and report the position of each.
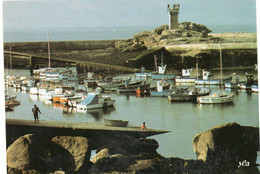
(186, 34)
(130, 163)
(171, 33)
(101, 154)
(160, 29)
(110, 165)
(130, 46)
(141, 36)
(48, 154)
(224, 146)
(128, 156)
(38, 153)
(178, 165)
(134, 147)
(76, 146)
(194, 27)
(204, 33)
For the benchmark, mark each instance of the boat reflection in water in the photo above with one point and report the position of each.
(33, 97)
(98, 113)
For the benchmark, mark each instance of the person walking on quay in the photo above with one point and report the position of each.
(35, 111)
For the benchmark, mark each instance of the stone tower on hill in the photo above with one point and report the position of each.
(173, 16)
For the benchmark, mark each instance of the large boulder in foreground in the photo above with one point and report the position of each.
(38, 153)
(77, 147)
(125, 164)
(127, 156)
(226, 146)
(42, 154)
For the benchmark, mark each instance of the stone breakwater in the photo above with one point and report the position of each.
(181, 48)
(221, 149)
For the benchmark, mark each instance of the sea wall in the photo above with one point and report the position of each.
(128, 53)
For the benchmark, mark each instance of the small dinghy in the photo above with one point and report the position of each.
(118, 123)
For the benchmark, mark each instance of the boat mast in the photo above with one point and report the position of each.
(49, 53)
(11, 66)
(162, 58)
(155, 62)
(220, 57)
(197, 70)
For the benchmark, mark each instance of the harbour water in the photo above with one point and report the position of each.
(183, 119)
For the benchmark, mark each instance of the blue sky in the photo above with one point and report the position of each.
(110, 13)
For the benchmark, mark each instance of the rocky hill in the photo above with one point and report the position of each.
(186, 33)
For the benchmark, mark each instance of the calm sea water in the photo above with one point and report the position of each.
(102, 33)
(183, 119)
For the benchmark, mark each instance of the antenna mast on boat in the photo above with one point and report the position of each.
(11, 66)
(49, 53)
(220, 57)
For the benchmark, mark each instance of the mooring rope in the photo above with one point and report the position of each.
(51, 117)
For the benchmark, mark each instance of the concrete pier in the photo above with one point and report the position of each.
(97, 133)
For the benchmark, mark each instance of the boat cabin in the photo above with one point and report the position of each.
(186, 72)
(93, 101)
(205, 75)
(161, 69)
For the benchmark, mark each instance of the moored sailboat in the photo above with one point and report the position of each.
(217, 98)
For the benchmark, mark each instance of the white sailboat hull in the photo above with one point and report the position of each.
(216, 99)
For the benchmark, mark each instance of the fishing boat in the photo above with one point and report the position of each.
(117, 123)
(161, 91)
(187, 94)
(143, 75)
(206, 80)
(118, 83)
(160, 72)
(186, 76)
(131, 89)
(93, 101)
(217, 98)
